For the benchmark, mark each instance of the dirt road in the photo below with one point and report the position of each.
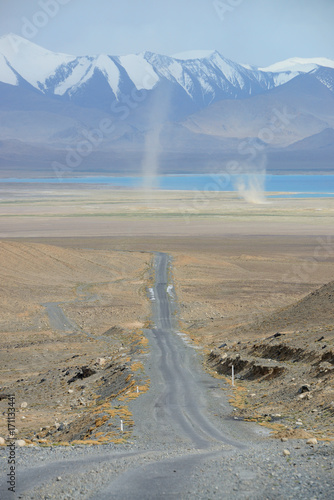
(185, 442)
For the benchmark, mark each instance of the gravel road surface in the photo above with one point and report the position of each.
(186, 442)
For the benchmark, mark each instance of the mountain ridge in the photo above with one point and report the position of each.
(204, 80)
(205, 105)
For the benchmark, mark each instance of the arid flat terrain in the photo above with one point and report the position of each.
(67, 313)
(75, 264)
(63, 210)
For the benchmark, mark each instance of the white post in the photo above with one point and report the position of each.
(122, 425)
(232, 375)
(137, 389)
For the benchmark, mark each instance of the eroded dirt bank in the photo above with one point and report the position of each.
(70, 335)
(233, 290)
(278, 337)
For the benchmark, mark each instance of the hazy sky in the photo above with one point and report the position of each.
(258, 32)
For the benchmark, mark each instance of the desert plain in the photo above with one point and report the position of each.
(254, 284)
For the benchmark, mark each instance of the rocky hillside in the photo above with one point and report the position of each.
(287, 376)
(312, 313)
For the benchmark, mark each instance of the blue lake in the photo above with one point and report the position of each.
(286, 185)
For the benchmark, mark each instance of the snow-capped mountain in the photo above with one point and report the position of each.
(321, 68)
(207, 105)
(194, 80)
(297, 64)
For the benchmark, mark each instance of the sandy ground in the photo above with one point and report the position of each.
(65, 211)
(233, 264)
(97, 304)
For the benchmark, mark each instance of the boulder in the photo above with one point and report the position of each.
(304, 388)
(305, 395)
(312, 441)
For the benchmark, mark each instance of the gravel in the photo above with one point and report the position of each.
(260, 471)
(160, 459)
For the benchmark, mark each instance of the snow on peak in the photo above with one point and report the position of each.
(202, 74)
(194, 54)
(11, 45)
(109, 69)
(31, 61)
(82, 69)
(6, 72)
(249, 67)
(139, 71)
(300, 64)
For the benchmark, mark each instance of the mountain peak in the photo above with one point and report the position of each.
(196, 78)
(299, 64)
(32, 62)
(194, 54)
(12, 44)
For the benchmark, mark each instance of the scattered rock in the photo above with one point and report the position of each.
(83, 372)
(286, 453)
(24, 404)
(312, 441)
(284, 439)
(59, 478)
(70, 391)
(2, 441)
(101, 361)
(20, 443)
(304, 388)
(305, 395)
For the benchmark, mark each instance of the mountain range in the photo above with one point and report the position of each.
(198, 110)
